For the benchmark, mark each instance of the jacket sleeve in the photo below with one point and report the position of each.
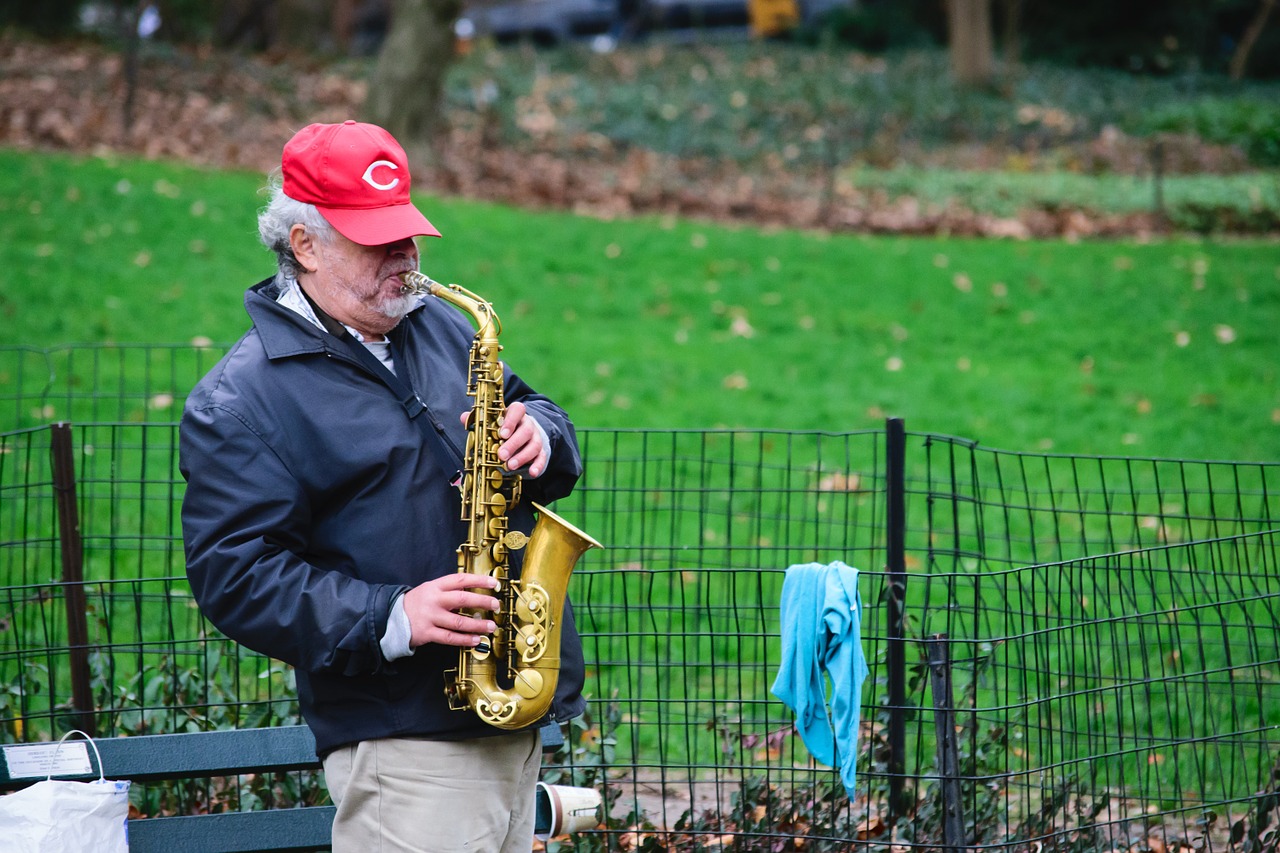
(244, 519)
(565, 466)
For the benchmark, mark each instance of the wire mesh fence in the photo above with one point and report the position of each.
(1062, 651)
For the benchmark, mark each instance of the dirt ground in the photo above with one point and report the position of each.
(224, 110)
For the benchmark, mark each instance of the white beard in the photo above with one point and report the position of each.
(397, 306)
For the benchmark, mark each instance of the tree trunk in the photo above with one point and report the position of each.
(1012, 34)
(1241, 57)
(406, 90)
(969, 33)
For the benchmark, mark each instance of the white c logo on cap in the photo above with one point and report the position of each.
(368, 175)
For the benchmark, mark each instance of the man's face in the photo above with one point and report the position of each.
(362, 283)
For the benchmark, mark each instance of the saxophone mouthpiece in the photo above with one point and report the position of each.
(416, 283)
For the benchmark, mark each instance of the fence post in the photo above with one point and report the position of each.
(944, 723)
(895, 651)
(1157, 176)
(71, 547)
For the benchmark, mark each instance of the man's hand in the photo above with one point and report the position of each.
(433, 608)
(524, 441)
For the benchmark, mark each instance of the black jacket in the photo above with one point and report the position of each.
(312, 501)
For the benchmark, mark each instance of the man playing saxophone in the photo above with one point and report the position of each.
(322, 518)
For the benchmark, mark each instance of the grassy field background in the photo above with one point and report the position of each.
(1162, 348)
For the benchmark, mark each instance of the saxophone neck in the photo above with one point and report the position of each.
(479, 309)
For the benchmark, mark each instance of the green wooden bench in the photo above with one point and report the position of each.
(151, 758)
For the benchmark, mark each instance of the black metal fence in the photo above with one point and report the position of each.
(1063, 651)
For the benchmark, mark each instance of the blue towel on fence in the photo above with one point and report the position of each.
(822, 632)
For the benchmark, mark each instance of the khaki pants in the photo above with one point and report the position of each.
(409, 795)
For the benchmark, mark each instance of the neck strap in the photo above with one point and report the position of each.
(417, 411)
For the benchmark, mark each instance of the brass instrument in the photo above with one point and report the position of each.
(509, 680)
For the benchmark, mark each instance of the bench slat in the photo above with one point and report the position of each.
(302, 829)
(219, 753)
(148, 758)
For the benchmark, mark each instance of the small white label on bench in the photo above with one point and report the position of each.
(41, 759)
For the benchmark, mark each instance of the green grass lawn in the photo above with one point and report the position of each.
(1156, 349)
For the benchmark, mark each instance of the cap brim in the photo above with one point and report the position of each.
(377, 226)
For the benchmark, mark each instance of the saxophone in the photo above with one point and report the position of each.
(509, 679)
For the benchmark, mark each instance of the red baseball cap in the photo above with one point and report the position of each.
(357, 176)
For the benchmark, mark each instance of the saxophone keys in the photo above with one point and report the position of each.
(528, 683)
(534, 642)
(515, 540)
(496, 525)
(528, 609)
(532, 602)
(496, 712)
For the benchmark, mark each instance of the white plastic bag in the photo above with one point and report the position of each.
(59, 816)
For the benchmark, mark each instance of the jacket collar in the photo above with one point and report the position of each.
(285, 333)
(282, 331)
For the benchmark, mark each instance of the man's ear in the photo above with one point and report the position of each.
(304, 247)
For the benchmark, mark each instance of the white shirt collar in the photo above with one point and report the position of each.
(292, 297)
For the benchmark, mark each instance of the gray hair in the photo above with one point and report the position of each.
(278, 218)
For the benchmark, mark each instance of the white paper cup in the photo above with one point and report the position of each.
(561, 809)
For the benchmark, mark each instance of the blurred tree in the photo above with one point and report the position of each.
(1141, 36)
(970, 42)
(47, 18)
(407, 85)
(1012, 32)
(279, 26)
(877, 26)
(1240, 58)
(246, 24)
